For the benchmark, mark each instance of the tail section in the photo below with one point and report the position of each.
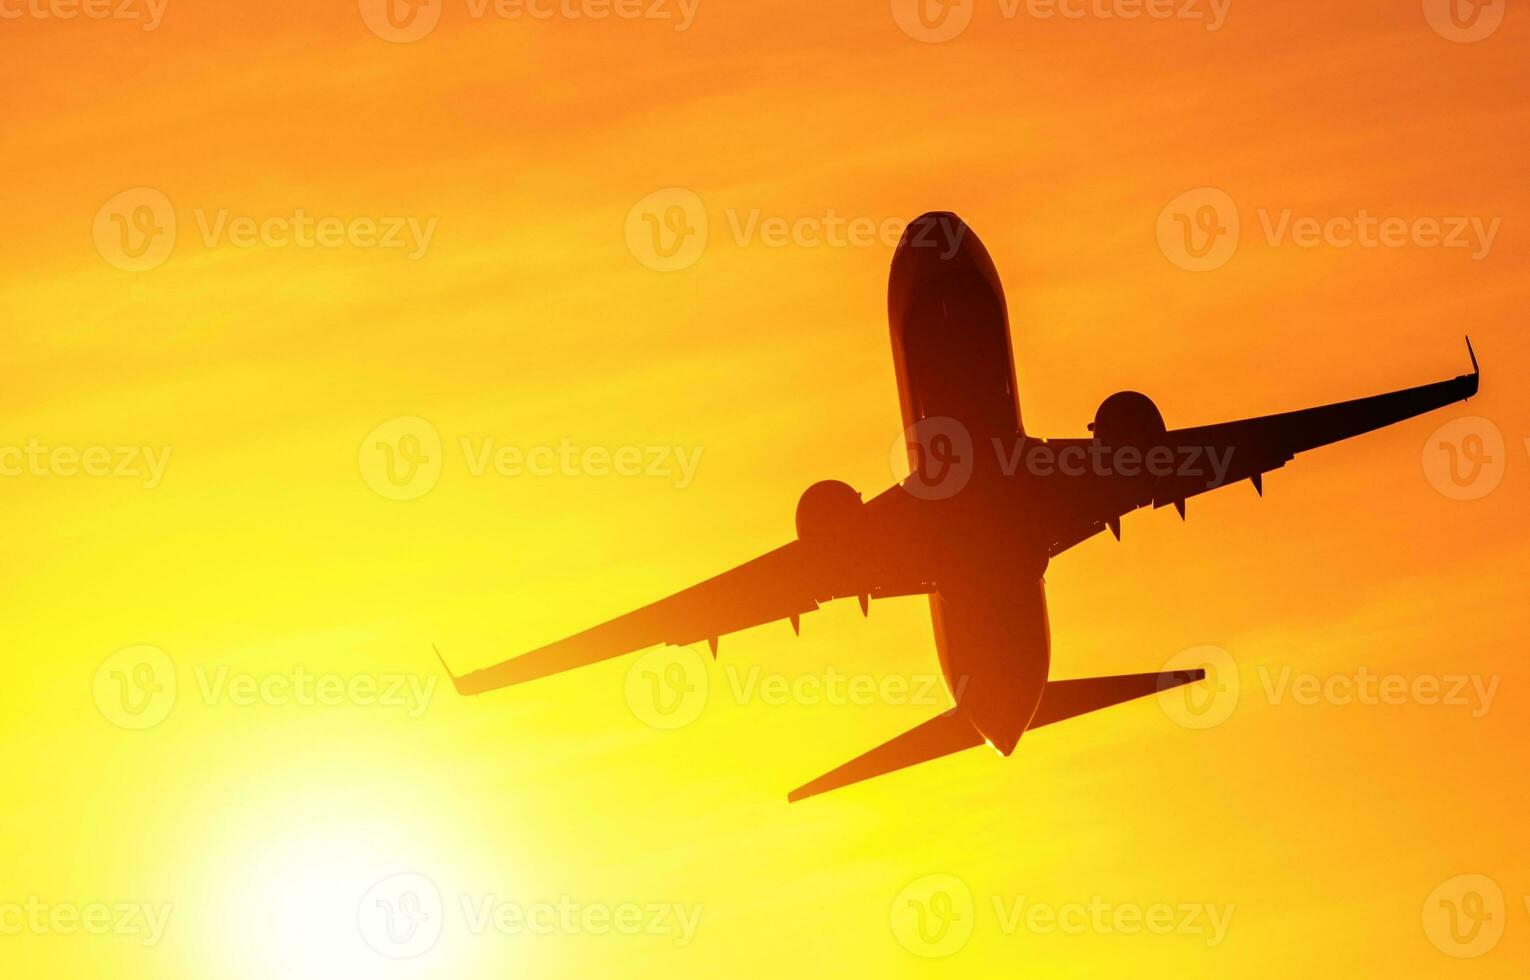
(951, 733)
(1067, 699)
(940, 736)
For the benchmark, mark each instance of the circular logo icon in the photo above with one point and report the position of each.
(1464, 21)
(402, 916)
(932, 21)
(1464, 917)
(1464, 459)
(1206, 703)
(401, 21)
(401, 459)
(135, 687)
(667, 230)
(667, 688)
(135, 230)
(933, 916)
(938, 456)
(1199, 230)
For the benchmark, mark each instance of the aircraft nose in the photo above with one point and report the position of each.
(938, 252)
(933, 237)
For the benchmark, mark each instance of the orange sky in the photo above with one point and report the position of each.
(258, 551)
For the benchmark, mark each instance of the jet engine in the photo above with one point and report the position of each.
(829, 512)
(1128, 418)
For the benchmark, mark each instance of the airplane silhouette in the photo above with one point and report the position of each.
(977, 521)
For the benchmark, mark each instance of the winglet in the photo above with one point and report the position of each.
(456, 681)
(1473, 380)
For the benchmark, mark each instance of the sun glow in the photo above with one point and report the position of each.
(321, 900)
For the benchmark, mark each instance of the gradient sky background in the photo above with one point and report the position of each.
(1325, 828)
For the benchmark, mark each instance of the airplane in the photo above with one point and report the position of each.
(974, 529)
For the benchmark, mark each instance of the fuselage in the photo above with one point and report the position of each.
(956, 384)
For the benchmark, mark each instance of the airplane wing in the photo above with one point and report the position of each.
(1210, 456)
(781, 584)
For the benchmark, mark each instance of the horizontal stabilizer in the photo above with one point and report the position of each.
(950, 733)
(940, 736)
(1066, 699)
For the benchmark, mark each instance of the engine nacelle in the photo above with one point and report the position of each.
(829, 512)
(1128, 418)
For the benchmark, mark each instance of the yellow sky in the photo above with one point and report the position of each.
(262, 550)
